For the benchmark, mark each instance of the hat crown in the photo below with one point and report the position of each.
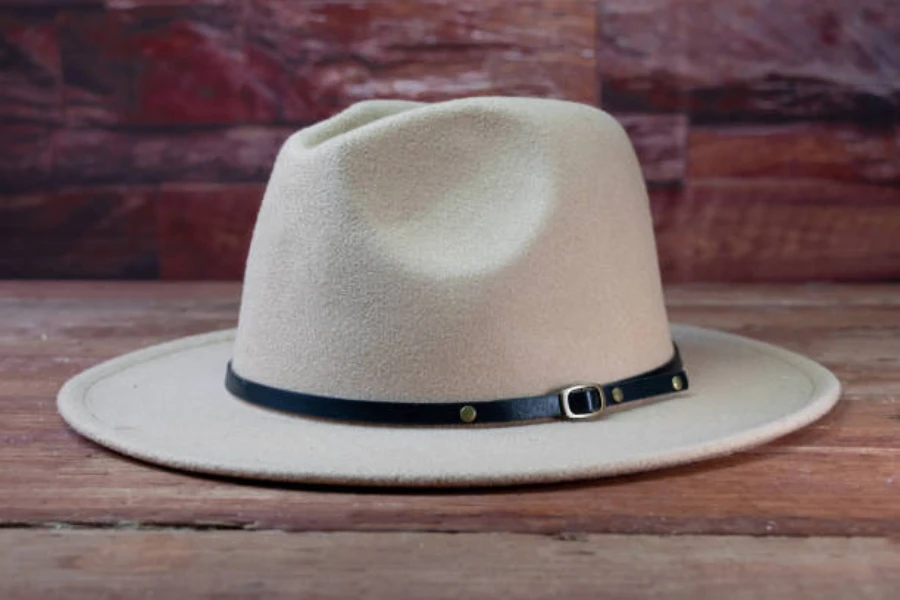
(466, 250)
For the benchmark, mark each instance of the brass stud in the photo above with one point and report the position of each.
(617, 394)
(677, 383)
(468, 414)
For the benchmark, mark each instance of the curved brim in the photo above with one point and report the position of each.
(167, 404)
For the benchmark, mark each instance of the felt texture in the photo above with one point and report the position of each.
(167, 405)
(466, 250)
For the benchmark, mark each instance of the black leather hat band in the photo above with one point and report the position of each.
(575, 402)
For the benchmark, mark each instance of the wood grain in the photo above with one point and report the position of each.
(101, 564)
(846, 152)
(241, 153)
(777, 230)
(54, 4)
(837, 477)
(30, 73)
(768, 131)
(660, 142)
(327, 55)
(754, 60)
(227, 62)
(26, 157)
(230, 154)
(107, 232)
(160, 64)
(204, 230)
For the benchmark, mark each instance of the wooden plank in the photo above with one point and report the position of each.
(844, 152)
(48, 474)
(26, 158)
(796, 295)
(53, 478)
(223, 155)
(106, 232)
(170, 564)
(161, 64)
(79, 295)
(660, 142)
(30, 79)
(226, 62)
(777, 230)
(327, 55)
(73, 295)
(205, 230)
(53, 4)
(751, 59)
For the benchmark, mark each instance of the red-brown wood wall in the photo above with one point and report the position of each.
(136, 135)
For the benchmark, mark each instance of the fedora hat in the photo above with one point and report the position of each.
(449, 294)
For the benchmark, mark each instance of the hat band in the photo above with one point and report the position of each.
(575, 402)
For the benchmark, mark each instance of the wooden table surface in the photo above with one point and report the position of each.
(813, 515)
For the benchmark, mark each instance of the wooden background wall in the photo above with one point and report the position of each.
(136, 135)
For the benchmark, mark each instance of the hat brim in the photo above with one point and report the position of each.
(167, 404)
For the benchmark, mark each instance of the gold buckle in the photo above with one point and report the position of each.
(565, 394)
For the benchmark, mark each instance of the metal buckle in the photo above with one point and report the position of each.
(565, 394)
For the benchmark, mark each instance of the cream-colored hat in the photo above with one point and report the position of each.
(435, 295)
